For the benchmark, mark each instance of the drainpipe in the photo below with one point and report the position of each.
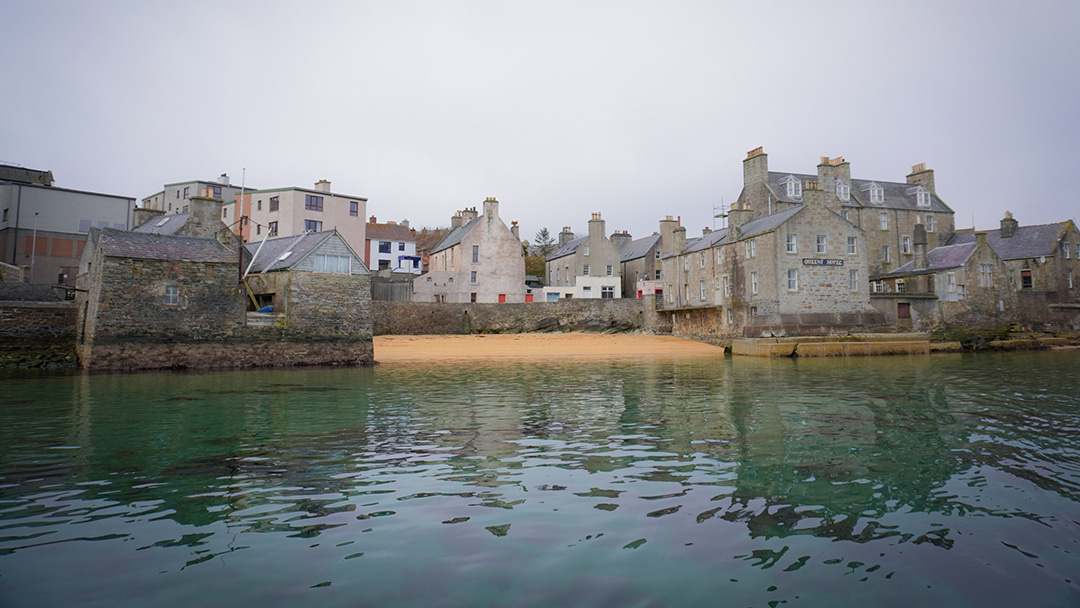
(15, 244)
(33, 248)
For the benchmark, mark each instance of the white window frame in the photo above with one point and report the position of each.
(853, 245)
(585, 270)
(172, 295)
(905, 245)
(853, 279)
(885, 254)
(793, 279)
(922, 198)
(877, 194)
(950, 282)
(843, 191)
(901, 287)
(883, 220)
(753, 282)
(821, 243)
(792, 244)
(332, 264)
(1066, 248)
(585, 250)
(793, 186)
(929, 223)
(702, 285)
(749, 248)
(701, 259)
(727, 286)
(610, 270)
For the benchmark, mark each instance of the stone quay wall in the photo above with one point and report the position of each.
(594, 315)
(37, 334)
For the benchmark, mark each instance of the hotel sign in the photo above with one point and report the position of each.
(816, 262)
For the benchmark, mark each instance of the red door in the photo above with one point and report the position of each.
(502, 298)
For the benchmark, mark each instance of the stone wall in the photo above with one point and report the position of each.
(420, 318)
(37, 334)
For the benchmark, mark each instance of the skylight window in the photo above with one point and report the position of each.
(284, 256)
(162, 222)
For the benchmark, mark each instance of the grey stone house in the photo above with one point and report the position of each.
(639, 259)
(315, 284)
(799, 271)
(586, 267)
(887, 212)
(480, 260)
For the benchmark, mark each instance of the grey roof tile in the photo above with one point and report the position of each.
(897, 194)
(1026, 242)
(567, 248)
(456, 235)
(637, 248)
(163, 224)
(939, 258)
(141, 245)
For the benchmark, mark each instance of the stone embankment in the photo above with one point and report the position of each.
(602, 316)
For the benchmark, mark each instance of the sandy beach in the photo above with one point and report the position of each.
(487, 346)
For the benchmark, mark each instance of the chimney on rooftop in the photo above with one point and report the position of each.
(372, 220)
(1008, 226)
(565, 236)
(224, 179)
(469, 215)
(921, 176)
(515, 230)
(620, 238)
(322, 185)
(455, 221)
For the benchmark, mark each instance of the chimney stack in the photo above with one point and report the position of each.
(224, 179)
(737, 216)
(491, 208)
(322, 185)
(921, 176)
(455, 221)
(1008, 226)
(204, 218)
(596, 228)
(565, 236)
(469, 215)
(372, 220)
(919, 240)
(514, 230)
(620, 238)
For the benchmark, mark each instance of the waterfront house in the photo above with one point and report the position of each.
(639, 259)
(586, 267)
(391, 246)
(480, 260)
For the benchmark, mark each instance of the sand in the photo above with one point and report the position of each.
(502, 346)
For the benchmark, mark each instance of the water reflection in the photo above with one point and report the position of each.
(613, 456)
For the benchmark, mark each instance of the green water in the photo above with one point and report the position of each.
(904, 481)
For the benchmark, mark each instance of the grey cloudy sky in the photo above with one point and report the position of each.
(559, 109)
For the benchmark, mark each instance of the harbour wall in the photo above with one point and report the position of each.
(602, 315)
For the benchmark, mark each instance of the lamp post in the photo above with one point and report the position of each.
(33, 248)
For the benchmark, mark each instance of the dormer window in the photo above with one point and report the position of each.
(877, 193)
(922, 195)
(843, 191)
(793, 185)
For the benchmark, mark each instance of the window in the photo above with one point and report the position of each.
(258, 205)
(883, 220)
(986, 275)
(852, 245)
(791, 246)
(792, 279)
(686, 262)
(753, 282)
(225, 213)
(877, 194)
(475, 253)
(853, 280)
(658, 255)
(610, 270)
(172, 295)
(1070, 280)
(1025, 279)
(312, 226)
(585, 250)
(273, 228)
(472, 297)
(384, 246)
(900, 286)
(905, 245)
(748, 247)
(820, 243)
(607, 292)
(354, 208)
(844, 214)
(717, 283)
(922, 197)
(585, 270)
(401, 246)
(727, 287)
(701, 259)
(339, 264)
(312, 202)
(885, 254)
(843, 191)
(793, 186)
(258, 229)
(586, 291)
(950, 282)
(274, 201)
(472, 276)
(701, 284)
(929, 223)
(877, 286)
(217, 191)
(5, 214)
(186, 190)
(719, 255)
(1065, 247)
(657, 274)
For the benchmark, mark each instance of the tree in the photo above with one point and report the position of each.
(544, 243)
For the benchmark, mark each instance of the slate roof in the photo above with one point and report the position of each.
(637, 249)
(1026, 242)
(897, 194)
(707, 241)
(456, 235)
(140, 245)
(767, 223)
(939, 258)
(301, 246)
(163, 224)
(389, 232)
(568, 248)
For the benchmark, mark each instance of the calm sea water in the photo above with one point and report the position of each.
(904, 481)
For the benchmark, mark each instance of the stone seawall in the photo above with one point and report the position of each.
(235, 353)
(420, 318)
(37, 334)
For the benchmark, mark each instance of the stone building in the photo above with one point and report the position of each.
(168, 295)
(586, 267)
(640, 259)
(967, 284)
(43, 227)
(886, 211)
(480, 260)
(1044, 267)
(801, 270)
(316, 286)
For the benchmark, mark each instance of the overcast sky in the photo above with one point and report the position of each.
(636, 110)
